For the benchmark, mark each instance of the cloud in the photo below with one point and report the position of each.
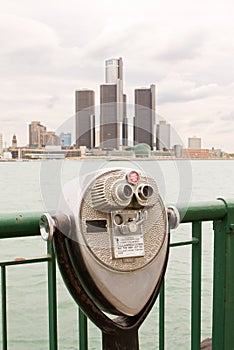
(175, 89)
(228, 117)
(52, 101)
(26, 46)
(182, 47)
(18, 34)
(200, 123)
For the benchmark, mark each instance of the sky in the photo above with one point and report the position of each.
(49, 49)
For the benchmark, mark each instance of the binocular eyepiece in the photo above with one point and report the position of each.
(120, 191)
(145, 192)
(124, 191)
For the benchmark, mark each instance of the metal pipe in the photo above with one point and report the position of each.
(196, 287)
(19, 224)
(4, 308)
(27, 224)
(162, 317)
(52, 298)
(202, 211)
(83, 330)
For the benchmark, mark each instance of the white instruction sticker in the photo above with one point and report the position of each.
(128, 246)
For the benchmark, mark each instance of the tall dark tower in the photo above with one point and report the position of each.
(111, 101)
(14, 141)
(125, 121)
(145, 119)
(85, 118)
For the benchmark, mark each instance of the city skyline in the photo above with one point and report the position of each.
(45, 59)
(107, 128)
(113, 120)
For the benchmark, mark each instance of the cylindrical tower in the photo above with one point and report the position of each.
(114, 70)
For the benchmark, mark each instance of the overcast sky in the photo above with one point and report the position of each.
(48, 49)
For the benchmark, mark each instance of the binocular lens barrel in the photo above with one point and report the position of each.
(145, 192)
(124, 191)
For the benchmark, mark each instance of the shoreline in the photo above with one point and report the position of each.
(114, 159)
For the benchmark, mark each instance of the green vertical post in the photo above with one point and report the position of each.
(4, 308)
(162, 317)
(223, 299)
(83, 330)
(229, 285)
(52, 298)
(196, 287)
(229, 305)
(219, 285)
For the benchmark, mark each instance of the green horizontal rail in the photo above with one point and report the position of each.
(26, 224)
(202, 211)
(19, 224)
(22, 261)
(182, 243)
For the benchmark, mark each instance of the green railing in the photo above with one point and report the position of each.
(220, 212)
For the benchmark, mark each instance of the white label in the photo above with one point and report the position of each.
(128, 246)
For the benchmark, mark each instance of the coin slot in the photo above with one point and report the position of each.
(96, 226)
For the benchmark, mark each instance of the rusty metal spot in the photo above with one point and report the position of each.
(20, 259)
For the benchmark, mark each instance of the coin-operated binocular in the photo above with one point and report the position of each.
(111, 239)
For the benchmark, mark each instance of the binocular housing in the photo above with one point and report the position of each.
(116, 234)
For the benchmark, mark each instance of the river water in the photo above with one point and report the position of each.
(34, 186)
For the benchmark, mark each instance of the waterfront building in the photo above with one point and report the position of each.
(51, 139)
(142, 150)
(14, 142)
(85, 118)
(194, 153)
(1, 143)
(145, 118)
(37, 133)
(7, 155)
(111, 105)
(178, 151)
(163, 135)
(194, 142)
(49, 152)
(65, 139)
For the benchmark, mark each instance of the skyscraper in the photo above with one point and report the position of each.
(111, 101)
(163, 135)
(125, 121)
(36, 134)
(85, 118)
(145, 119)
(14, 142)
